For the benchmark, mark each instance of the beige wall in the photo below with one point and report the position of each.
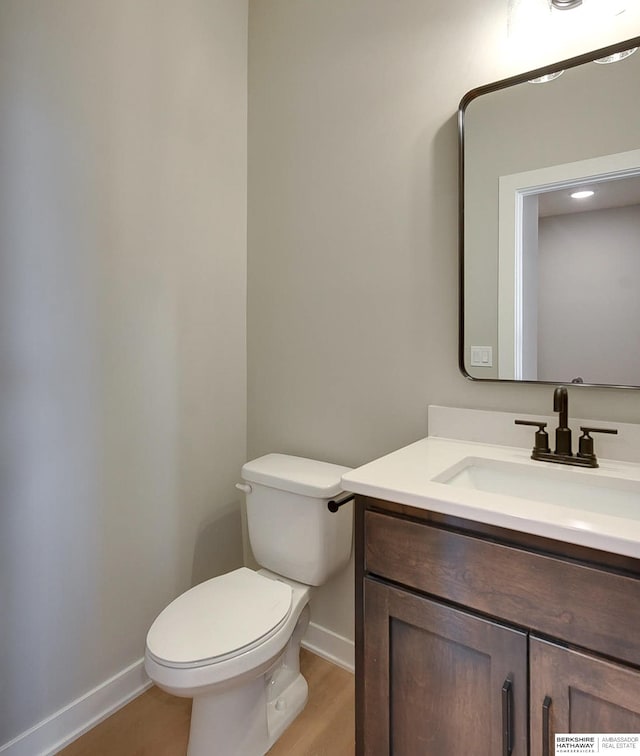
(352, 283)
(122, 338)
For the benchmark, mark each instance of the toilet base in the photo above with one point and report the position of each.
(217, 730)
(247, 719)
(285, 706)
(232, 722)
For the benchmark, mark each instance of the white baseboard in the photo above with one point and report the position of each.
(57, 731)
(330, 646)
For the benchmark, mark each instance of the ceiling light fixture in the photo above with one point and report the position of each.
(582, 194)
(616, 56)
(566, 4)
(547, 77)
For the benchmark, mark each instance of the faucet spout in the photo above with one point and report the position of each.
(561, 406)
(563, 433)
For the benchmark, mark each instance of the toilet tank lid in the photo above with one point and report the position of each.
(296, 475)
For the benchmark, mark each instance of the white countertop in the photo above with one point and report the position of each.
(406, 476)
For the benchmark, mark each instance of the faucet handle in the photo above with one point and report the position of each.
(585, 442)
(542, 437)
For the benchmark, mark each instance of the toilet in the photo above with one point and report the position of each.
(232, 643)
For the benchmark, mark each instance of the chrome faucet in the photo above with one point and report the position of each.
(563, 453)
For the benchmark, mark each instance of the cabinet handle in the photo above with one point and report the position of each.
(546, 711)
(507, 718)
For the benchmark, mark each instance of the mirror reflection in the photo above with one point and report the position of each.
(550, 227)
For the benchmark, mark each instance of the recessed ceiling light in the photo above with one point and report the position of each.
(582, 194)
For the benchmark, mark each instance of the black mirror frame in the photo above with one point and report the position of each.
(464, 103)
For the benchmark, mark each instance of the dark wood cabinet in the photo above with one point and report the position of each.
(439, 680)
(576, 692)
(475, 640)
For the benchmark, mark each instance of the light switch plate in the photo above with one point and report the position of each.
(481, 356)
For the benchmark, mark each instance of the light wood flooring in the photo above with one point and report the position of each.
(157, 724)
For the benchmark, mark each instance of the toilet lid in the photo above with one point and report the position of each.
(220, 617)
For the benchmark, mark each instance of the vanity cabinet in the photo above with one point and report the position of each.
(471, 639)
(440, 681)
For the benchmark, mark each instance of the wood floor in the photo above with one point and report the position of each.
(157, 724)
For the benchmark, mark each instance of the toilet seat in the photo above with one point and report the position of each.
(219, 619)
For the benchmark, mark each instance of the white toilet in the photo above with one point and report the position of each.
(232, 643)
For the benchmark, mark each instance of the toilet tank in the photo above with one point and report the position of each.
(291, 530)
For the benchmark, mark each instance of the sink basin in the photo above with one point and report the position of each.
(565, 487)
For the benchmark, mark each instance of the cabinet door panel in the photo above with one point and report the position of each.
(434, 679)
(588, 694)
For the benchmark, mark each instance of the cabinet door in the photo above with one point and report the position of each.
(575, 692)
(439, 681)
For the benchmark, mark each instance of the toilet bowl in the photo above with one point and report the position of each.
(249, 674)
(232, 643)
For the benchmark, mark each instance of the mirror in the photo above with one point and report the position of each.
(550, 284)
